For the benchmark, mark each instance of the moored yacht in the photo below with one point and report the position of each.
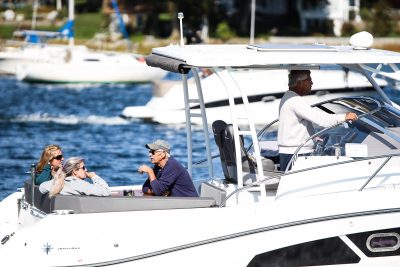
(338, 206)
(78, 64)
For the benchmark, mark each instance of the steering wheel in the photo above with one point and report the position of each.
(320, 144)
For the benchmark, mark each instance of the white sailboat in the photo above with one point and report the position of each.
(338, 206)
(74, 64)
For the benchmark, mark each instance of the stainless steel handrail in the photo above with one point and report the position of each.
(375, 173)
(33, 176)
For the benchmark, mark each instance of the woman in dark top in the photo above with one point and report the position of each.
(49, 163)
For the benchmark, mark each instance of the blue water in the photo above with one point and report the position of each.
(84, 120)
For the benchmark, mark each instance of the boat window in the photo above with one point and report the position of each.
(378, 243)
(383, 242)
(329, 251)
(387, 118)
(344, 105)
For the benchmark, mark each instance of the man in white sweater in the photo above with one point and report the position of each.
(296, 118)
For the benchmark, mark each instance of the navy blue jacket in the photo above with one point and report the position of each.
(173, 178)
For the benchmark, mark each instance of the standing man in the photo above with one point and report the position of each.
(167, 177)
(296, 118)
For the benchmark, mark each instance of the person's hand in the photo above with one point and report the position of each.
(55, 173)
(318, 139)
(144, 168)
(350, 116)
(90, 174)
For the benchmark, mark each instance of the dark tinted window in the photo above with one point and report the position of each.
(321, 252)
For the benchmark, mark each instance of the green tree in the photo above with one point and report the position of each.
(382, 24)
(224, 32)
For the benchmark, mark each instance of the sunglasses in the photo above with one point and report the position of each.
(308, 79)
(59, 157)
(83, 168)
(155, 151)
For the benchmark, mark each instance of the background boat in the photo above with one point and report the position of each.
(263, 87)
(36, 61)
(80, 65)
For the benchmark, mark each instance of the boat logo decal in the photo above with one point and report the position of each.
(68, 248)
(47, 248)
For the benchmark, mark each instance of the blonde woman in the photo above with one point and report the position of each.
(49, 163)
(70, 181)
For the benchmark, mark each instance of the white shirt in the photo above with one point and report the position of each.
(296, 118)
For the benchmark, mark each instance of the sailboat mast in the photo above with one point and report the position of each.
(34, 14)
(71, 6)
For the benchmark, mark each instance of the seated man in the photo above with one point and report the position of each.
(168, 177)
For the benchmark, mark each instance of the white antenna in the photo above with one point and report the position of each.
(180, 17)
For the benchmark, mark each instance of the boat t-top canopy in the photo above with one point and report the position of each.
(181, 58)
(225, 58)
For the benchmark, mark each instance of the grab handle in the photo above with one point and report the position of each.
(33, 168)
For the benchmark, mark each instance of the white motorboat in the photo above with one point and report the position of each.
(264, 89)
(338, 206)
(77, 64)
(80, 65)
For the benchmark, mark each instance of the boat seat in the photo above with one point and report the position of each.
(209, 190)
(224, 138)
(93, 204)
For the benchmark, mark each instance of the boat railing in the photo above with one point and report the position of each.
(375, 173)
(226, 76)
(189, 115)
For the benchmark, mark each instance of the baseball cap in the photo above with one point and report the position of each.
(159, 144)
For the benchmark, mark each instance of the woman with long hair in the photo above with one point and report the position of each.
(70, 181)
(49, 163)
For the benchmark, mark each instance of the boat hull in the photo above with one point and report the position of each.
(88, 73)
(204, 236)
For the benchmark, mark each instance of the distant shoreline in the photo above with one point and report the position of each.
(145, 46)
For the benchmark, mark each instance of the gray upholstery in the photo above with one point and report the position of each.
(209, 190)
(92, 204)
